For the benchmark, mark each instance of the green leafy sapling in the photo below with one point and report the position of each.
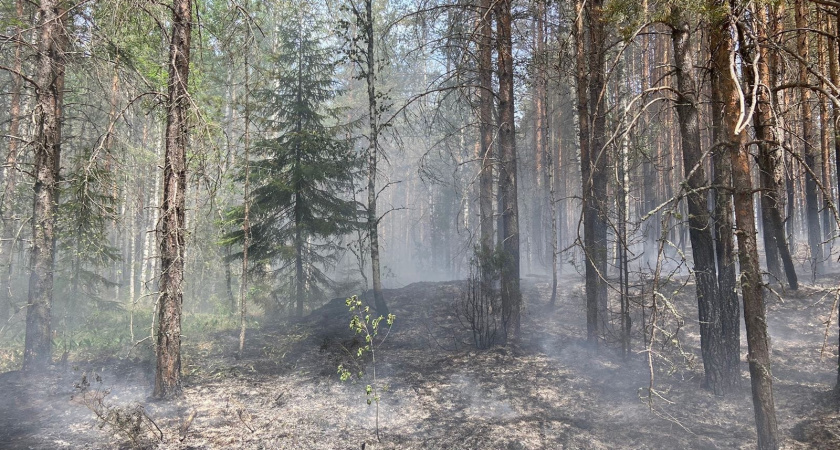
(364, 324)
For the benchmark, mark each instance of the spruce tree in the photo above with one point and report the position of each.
(301, 171)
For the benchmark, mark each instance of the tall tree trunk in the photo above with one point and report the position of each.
(812, 206)
(132, 260)
(834, 70)
(148, 273)
(834, 62)
(721, 46)
(552, 203)
(485, 112)
(298, 180)
(825, 155)
(537, 234)
(721, 376)
(511, 295)
(246, 220)
(622, 243)
(767, 133)
(373, 158)
(172, 227)
(592, 121)
(733, 141)
(7, 237)
(582, 103)
(52, 45)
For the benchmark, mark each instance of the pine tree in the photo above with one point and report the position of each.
(301, 169)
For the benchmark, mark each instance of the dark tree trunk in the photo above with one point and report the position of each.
(592, 119)
(537, 234)
(721, 46)
(172, 226)
(52, 44)
(485, 144)
(721, 376)
(732, 140)
(486, 126)
(812, 206)
(511, 295)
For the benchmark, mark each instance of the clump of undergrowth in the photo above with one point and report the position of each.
(128, 421)
(364, 324)
(480, 307)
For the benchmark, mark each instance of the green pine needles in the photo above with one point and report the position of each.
(364, 324)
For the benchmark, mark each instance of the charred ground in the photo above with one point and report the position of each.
(549, 391)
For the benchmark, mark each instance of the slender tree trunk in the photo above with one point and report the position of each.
(172, 227)
(834, 62)
(52, 44)
(540, 121)
(581, 91)
(721, 376)
(552, 203)
(648, 191)
(132, 265)
(298, 217)
(733, 140)
(299, 249)
(834, 69)
(825, 155)
(597, 98)
(148, 274)
(767, 133)
(622, 199)
(7, 221)
(511, 295)
(229, 280)
(246, 220)
(812, 206)
(373, 158)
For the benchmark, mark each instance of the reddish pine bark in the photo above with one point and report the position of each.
(172, 226)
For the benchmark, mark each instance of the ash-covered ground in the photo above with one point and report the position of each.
(550, 391)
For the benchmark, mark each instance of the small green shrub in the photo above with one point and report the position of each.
(364, 324)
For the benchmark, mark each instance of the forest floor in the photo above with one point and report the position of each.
(549, 391)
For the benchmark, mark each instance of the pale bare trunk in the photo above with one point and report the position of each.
(246, 221)
(7, 219)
